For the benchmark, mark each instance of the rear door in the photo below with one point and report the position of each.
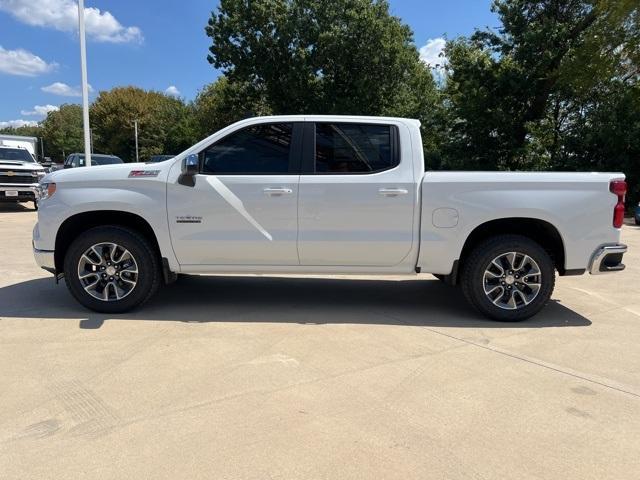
(357, 195)
(242, 209)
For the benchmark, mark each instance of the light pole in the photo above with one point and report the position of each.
(135, 127)
(85, 87)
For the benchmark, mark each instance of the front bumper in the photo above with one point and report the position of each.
(45, 260)
(607, 259)
(26, 192)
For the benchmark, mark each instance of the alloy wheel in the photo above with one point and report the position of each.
(512, 280)
(108, 272)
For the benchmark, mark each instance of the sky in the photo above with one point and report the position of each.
(153, 44)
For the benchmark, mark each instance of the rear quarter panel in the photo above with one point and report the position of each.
(578, 205)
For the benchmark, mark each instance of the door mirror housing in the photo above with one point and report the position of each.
(189, 169)
(190, 165)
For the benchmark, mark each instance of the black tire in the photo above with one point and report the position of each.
(149, 275)
(480, 259)
(35, 205)
(637, 221)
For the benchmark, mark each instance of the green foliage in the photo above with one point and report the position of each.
(315, 56)
(164, 123)
(62, 132)
(555, 88)
(222, 103)
(25, 131)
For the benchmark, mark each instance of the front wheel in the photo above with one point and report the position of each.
(111, 269)
(508, 278)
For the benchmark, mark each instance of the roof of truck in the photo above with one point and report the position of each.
(17, 137)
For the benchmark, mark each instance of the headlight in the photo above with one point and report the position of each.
(41, 175)
(46, 190)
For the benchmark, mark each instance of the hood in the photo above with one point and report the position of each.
(101, 173)
(20, 166)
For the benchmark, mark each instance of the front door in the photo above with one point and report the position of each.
(357, 196)
(242, 209)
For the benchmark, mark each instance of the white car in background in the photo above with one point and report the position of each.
(325, 195)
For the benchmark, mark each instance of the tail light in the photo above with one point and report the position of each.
(619, 188)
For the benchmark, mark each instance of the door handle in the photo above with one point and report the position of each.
(277, 191)
(393, 192)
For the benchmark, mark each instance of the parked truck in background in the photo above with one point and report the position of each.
(325, 195)
(19, 171)
(18, 141)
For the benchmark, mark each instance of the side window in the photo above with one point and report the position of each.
(354, 148)
(259, 149)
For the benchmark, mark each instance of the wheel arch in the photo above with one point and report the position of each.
(540, 231)
(81, 222)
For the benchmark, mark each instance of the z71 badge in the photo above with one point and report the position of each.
(143, 173)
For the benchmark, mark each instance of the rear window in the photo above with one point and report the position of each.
(16, 154)
(354, 148)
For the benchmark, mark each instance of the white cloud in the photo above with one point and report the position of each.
(64, 90)
(40, 110)
(172, 91)
(18, 123)
(22, 62)
(430, 53)
(62, 15)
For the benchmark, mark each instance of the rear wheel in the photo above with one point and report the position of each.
(111, 269)
(508, 278)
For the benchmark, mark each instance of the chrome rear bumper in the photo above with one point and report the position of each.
(607, 259)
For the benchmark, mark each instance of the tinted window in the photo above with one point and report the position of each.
(96, 160)
(261, 149)
(16, 154)
(354, 148)
(104, 160)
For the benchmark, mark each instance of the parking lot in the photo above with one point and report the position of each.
(372, 378)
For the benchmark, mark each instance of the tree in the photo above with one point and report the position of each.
(222, 103)
(164, 126)
(62, 132)
(319, 56)
(24, 131)
(502, 85)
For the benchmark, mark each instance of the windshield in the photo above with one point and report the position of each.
(16, 154)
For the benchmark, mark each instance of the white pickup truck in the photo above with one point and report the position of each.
(325, 195)
(19, 174)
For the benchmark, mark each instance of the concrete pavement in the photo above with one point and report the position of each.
(287, 378)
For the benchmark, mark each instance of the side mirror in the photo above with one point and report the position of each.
(190, 165)
(190, 168)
